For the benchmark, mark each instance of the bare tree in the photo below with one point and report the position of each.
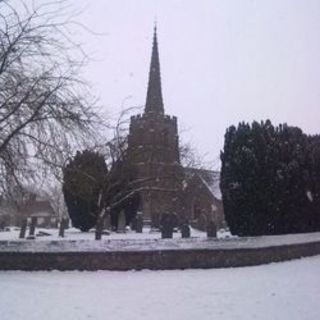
(45, 109)
(55, 195)
(190, 157)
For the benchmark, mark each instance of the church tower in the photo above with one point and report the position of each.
(153, 150)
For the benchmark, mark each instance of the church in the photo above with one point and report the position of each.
(164, 185)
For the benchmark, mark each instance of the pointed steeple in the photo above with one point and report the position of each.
(154, 103)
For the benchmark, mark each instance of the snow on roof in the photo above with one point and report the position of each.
(211, 179)
(213, 184)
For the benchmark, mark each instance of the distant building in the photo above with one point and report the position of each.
(41, 209)
(30, 205)
(163, 184)
(202, 197)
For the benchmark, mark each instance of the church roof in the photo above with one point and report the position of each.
(211, 179)
(154, 102)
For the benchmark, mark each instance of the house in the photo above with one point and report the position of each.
(40, 208)
(28, 206)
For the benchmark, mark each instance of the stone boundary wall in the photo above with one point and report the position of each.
(155, 259)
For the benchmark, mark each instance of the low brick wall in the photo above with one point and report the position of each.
(156, 260)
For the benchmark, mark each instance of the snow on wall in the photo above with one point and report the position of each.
(153, 242)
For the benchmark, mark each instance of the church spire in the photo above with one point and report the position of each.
(154, 103)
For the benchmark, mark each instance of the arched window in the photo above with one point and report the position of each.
(196, 210)
(165, 136)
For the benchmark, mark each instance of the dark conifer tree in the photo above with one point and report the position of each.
(313, 188)
(83, 187)
(121, 191)
(270, 179)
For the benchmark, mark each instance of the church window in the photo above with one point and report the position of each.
(165, 136)
(196, 210)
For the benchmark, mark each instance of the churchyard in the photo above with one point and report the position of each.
(152, 249)
(168, 234)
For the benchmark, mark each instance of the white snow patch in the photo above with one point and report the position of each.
(309, 195)
(281, 291)
(76, 241)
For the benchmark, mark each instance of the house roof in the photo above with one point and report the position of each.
(39, 209)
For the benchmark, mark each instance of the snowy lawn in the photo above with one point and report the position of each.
(76, 241)
(76, 234)
(284, 291)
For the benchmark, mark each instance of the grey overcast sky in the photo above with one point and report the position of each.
(222, 61)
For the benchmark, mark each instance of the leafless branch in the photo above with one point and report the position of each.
(46, 109)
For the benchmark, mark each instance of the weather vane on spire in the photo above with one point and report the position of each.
(155, 22)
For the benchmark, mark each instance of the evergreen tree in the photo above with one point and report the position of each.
(121, 192)
(83, 184)
(313, 188)
(270, 179)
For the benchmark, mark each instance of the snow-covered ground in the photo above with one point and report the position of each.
(76, 234)
(281, 291)
(76, 241)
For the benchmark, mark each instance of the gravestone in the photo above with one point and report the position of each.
(23, 229)
(99, 228)
(134, 223)
(43, 234)
(107, 221)
(139, 222)
(33, 226)
(185, 230)
(167, 224)
(62, 227)
(121, 222)
(211, 229)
